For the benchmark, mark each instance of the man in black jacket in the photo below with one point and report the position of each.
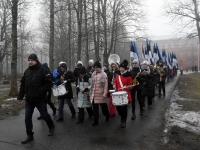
(48, 97)
(35, 83)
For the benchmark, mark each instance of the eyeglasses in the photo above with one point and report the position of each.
(134, 63)
(113, 66)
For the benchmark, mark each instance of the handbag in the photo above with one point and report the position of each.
(59, 90)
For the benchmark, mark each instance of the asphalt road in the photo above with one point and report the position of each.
(69, 135)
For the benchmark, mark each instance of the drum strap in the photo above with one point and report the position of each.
(120, 81)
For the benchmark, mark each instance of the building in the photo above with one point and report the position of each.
(186, 50)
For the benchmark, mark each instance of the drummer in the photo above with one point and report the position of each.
(113, 69)
(123, 82)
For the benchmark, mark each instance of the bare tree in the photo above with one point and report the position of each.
(51, 41)
(13, 89)
(186, 15)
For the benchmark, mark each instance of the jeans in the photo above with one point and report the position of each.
(42, 108)
(61, 106)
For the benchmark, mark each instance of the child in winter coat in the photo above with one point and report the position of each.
(83, 86)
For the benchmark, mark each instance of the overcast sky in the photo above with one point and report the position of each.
(158, 25)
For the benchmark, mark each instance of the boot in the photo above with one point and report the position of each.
(133, 116)
(95, 123)
(51, 131)
(78, 122)
(54, 111)
(28, 139)
(39, 118)
(123, 125)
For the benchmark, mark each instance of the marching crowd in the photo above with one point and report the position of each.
(94, 85)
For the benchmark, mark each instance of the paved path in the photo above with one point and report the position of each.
(68, 135)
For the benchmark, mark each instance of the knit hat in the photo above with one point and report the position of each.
(79, 63)
(91, 61)
(82, 70)
(45, 64)
(97, 64)
(63, 65)
(33, 57)
(145, 62)
(124, 64)
(135, 61)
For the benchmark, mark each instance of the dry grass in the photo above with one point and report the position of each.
(189, 86)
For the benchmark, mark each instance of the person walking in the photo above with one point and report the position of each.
(66, 78)
(35, 83)
(83, 100)
(135, 72)
(98, 92)
(113, 71)
(48, 97)
(123, 82)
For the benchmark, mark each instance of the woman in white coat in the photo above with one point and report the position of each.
(83, 88)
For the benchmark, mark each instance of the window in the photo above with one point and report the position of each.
(189, 63)
(179, 45)
(188, 44)
(172, 45)
(180, 63)
(195, 53)
(189, 54)
(195, 63)
(180, 54)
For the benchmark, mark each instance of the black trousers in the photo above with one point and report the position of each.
(122, 110)
(81, 113)
(104, 109)
(149, 98)
(29, 109)
(139, 97)
(49, 101)
(161, 85)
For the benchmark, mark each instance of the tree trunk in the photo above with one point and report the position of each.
(197, 18)
(105, 54)
(94, 32)
(98, 32)
(13, 89)
(51, 41)
(79, 20)
(86, 33)
(69, 34)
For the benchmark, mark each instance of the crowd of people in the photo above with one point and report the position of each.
(93, 88)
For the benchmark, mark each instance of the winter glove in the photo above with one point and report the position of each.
(77, 89)
(85, 90)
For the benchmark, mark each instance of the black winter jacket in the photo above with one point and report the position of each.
(70, 78)
(35, 83)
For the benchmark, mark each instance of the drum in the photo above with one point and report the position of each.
(59, 90)
(111, 91)
(120, 98)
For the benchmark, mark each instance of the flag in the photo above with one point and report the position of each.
(155, 54)
(134, 51)
(143, 52)
(169, 61)
(159, 55)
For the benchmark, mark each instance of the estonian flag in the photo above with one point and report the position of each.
(133, 51)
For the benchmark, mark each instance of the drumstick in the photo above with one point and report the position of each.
(125, 87)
